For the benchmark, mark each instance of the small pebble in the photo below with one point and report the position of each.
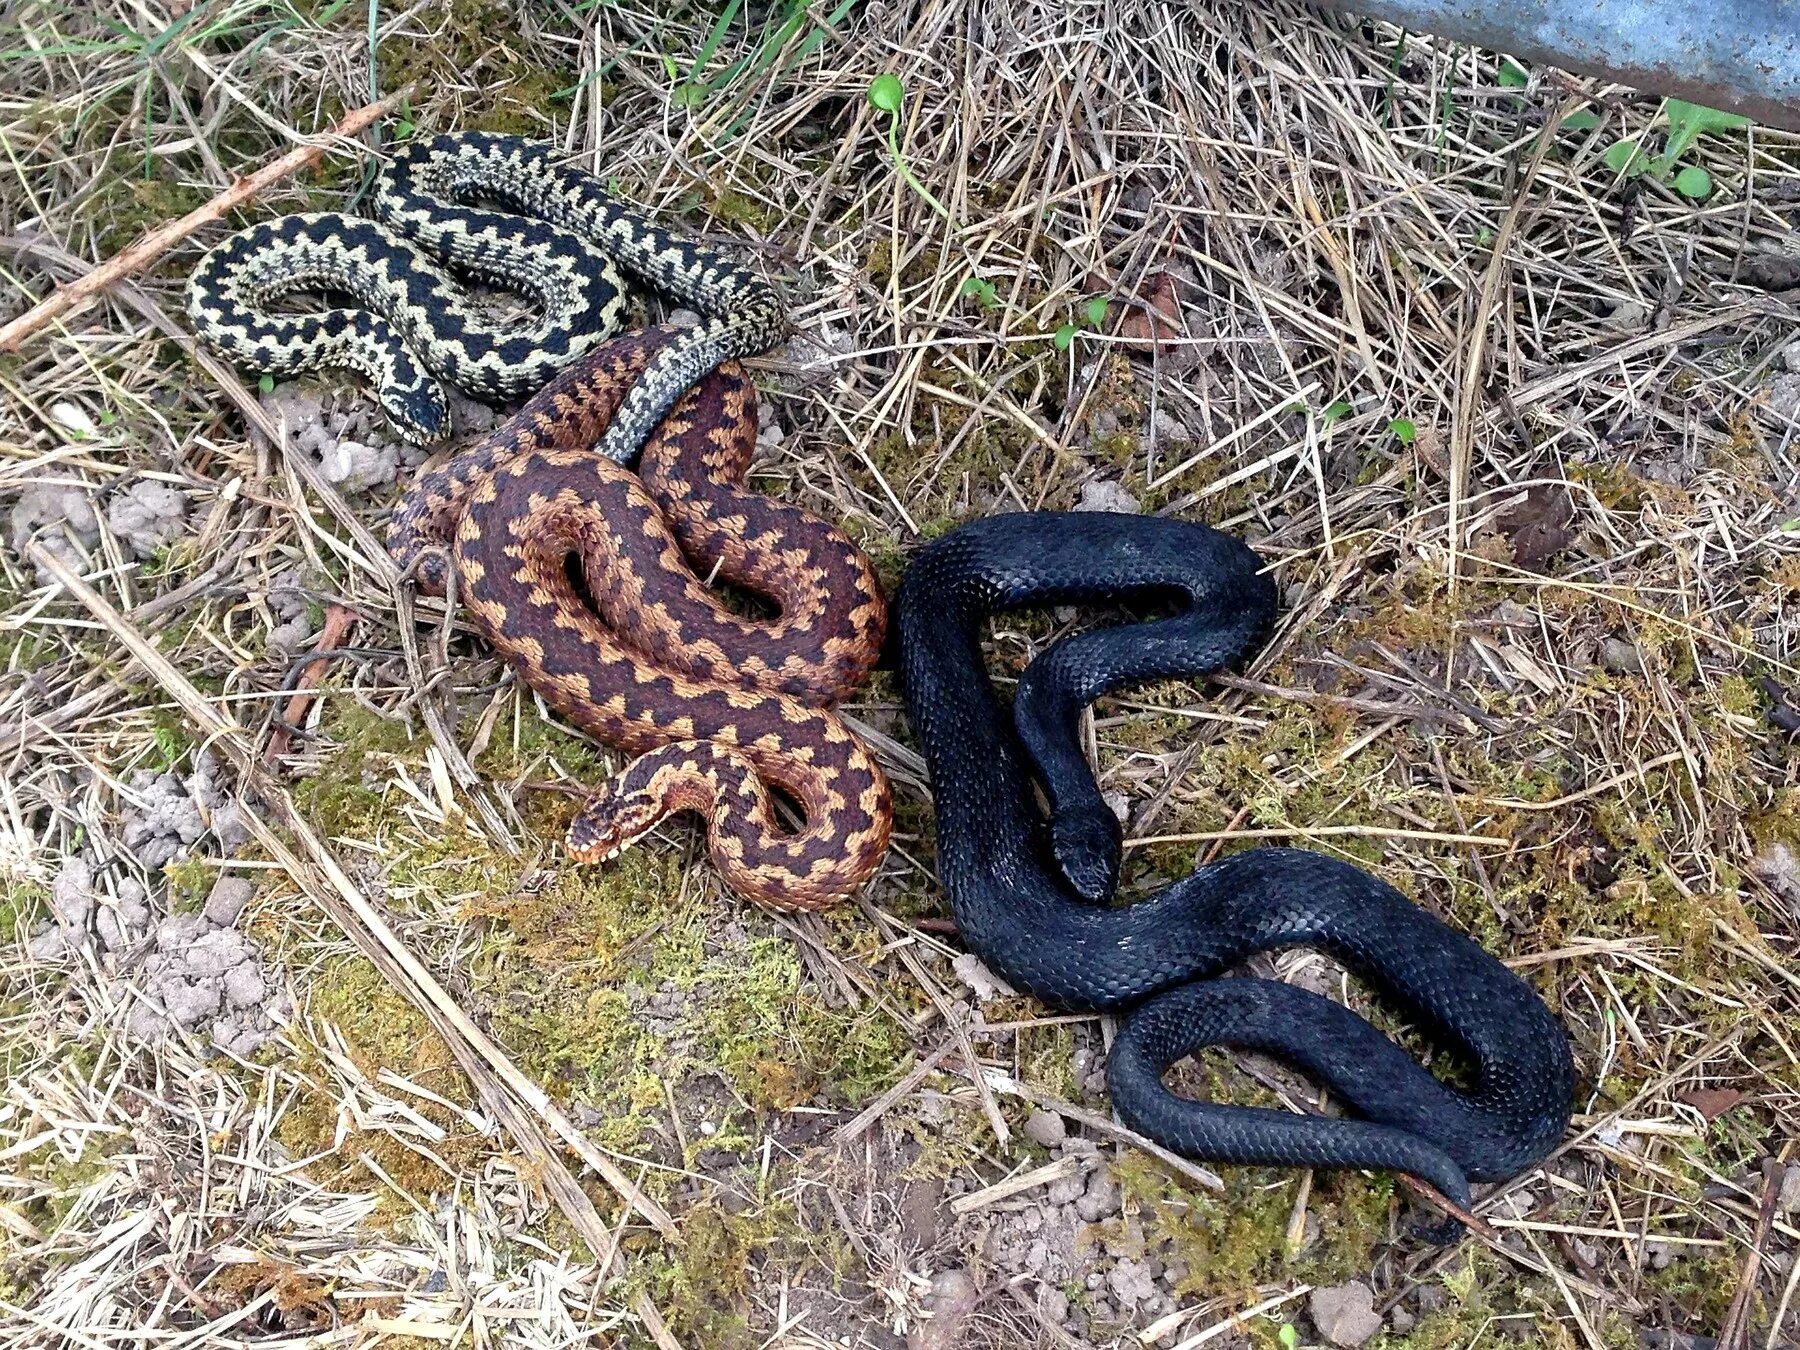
(1102, 1198)
(1621, 657)
(1345, 1313)
(1045, 1128)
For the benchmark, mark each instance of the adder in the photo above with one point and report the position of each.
(1033, 897)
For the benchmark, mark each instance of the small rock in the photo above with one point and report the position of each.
(1130, 1283)
(987, 985)
(1627, 314)
(1345, 1313)
(226, 900)
(351, 464)
(1788, 1200)
(1784, 397)
(1102, 1197)
(147, 515)
(188, 1003)
(1660, 1254)
(1045, 1128)
(215, 953)
(1053, 1304)
(1621, 657)
(1402, 1321)
(244, 986)
(952, 1298)
(1065, 1191)
(1099, 494)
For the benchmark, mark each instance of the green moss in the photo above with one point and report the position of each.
(1234, 1242)
(478, 46)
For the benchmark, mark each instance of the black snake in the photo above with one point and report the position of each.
(1032, 902)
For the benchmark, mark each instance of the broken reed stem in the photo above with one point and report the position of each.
(512, 1095)
(135, 257)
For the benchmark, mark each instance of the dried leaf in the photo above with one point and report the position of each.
(1539, 526)
(1157, 318)
(1428, 445)
(1712, 1102)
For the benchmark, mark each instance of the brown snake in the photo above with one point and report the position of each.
(718, 707)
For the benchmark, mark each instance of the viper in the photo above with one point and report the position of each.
(1033, 896)
(633, 648)
(496, 210)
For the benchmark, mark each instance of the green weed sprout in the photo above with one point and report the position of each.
(886, 93)
(1687, 123)
(1095, 312)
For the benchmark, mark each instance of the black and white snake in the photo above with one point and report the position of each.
(556, 238)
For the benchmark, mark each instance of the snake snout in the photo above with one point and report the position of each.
(612, 822)
(1087, 849)
(421, 414)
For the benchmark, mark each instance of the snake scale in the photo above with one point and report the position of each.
(1033, 901)
(640, 654)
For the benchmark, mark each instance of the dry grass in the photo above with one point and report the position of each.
(1526, 672)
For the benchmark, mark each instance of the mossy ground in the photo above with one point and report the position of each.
(1588, 686)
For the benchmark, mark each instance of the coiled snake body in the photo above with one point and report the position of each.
(719, 708)
(1032, 902)
(649, 661)
(559, 240)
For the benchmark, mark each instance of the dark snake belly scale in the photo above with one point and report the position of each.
(1031, 900)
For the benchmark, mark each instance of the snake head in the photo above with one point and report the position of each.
(613, 820)
(419, 412)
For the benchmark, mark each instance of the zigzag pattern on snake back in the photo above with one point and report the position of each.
(1032, 901)
(561, 241)
(649, 661)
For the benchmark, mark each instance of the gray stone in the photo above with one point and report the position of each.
(1788, 1199)
(1130, 1283)
(244, 987)
(227, 899)
(952, 1298)
(1098, 494)
(1045, 1128)
(1345, 1313)
(1621, 657)
(1102, 1198)
(147, 515)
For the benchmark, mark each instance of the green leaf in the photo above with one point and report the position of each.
(1512, 74)
(1404, 431)
(1288, 1336)
(1624, 157)
(887, 93)
(1064, 336)
(1694, 182)
(689, 95)
(1582, 119)
(1335, 411)
(982, 290)
(1689, 121)
(1096, 311)
(266, 384)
